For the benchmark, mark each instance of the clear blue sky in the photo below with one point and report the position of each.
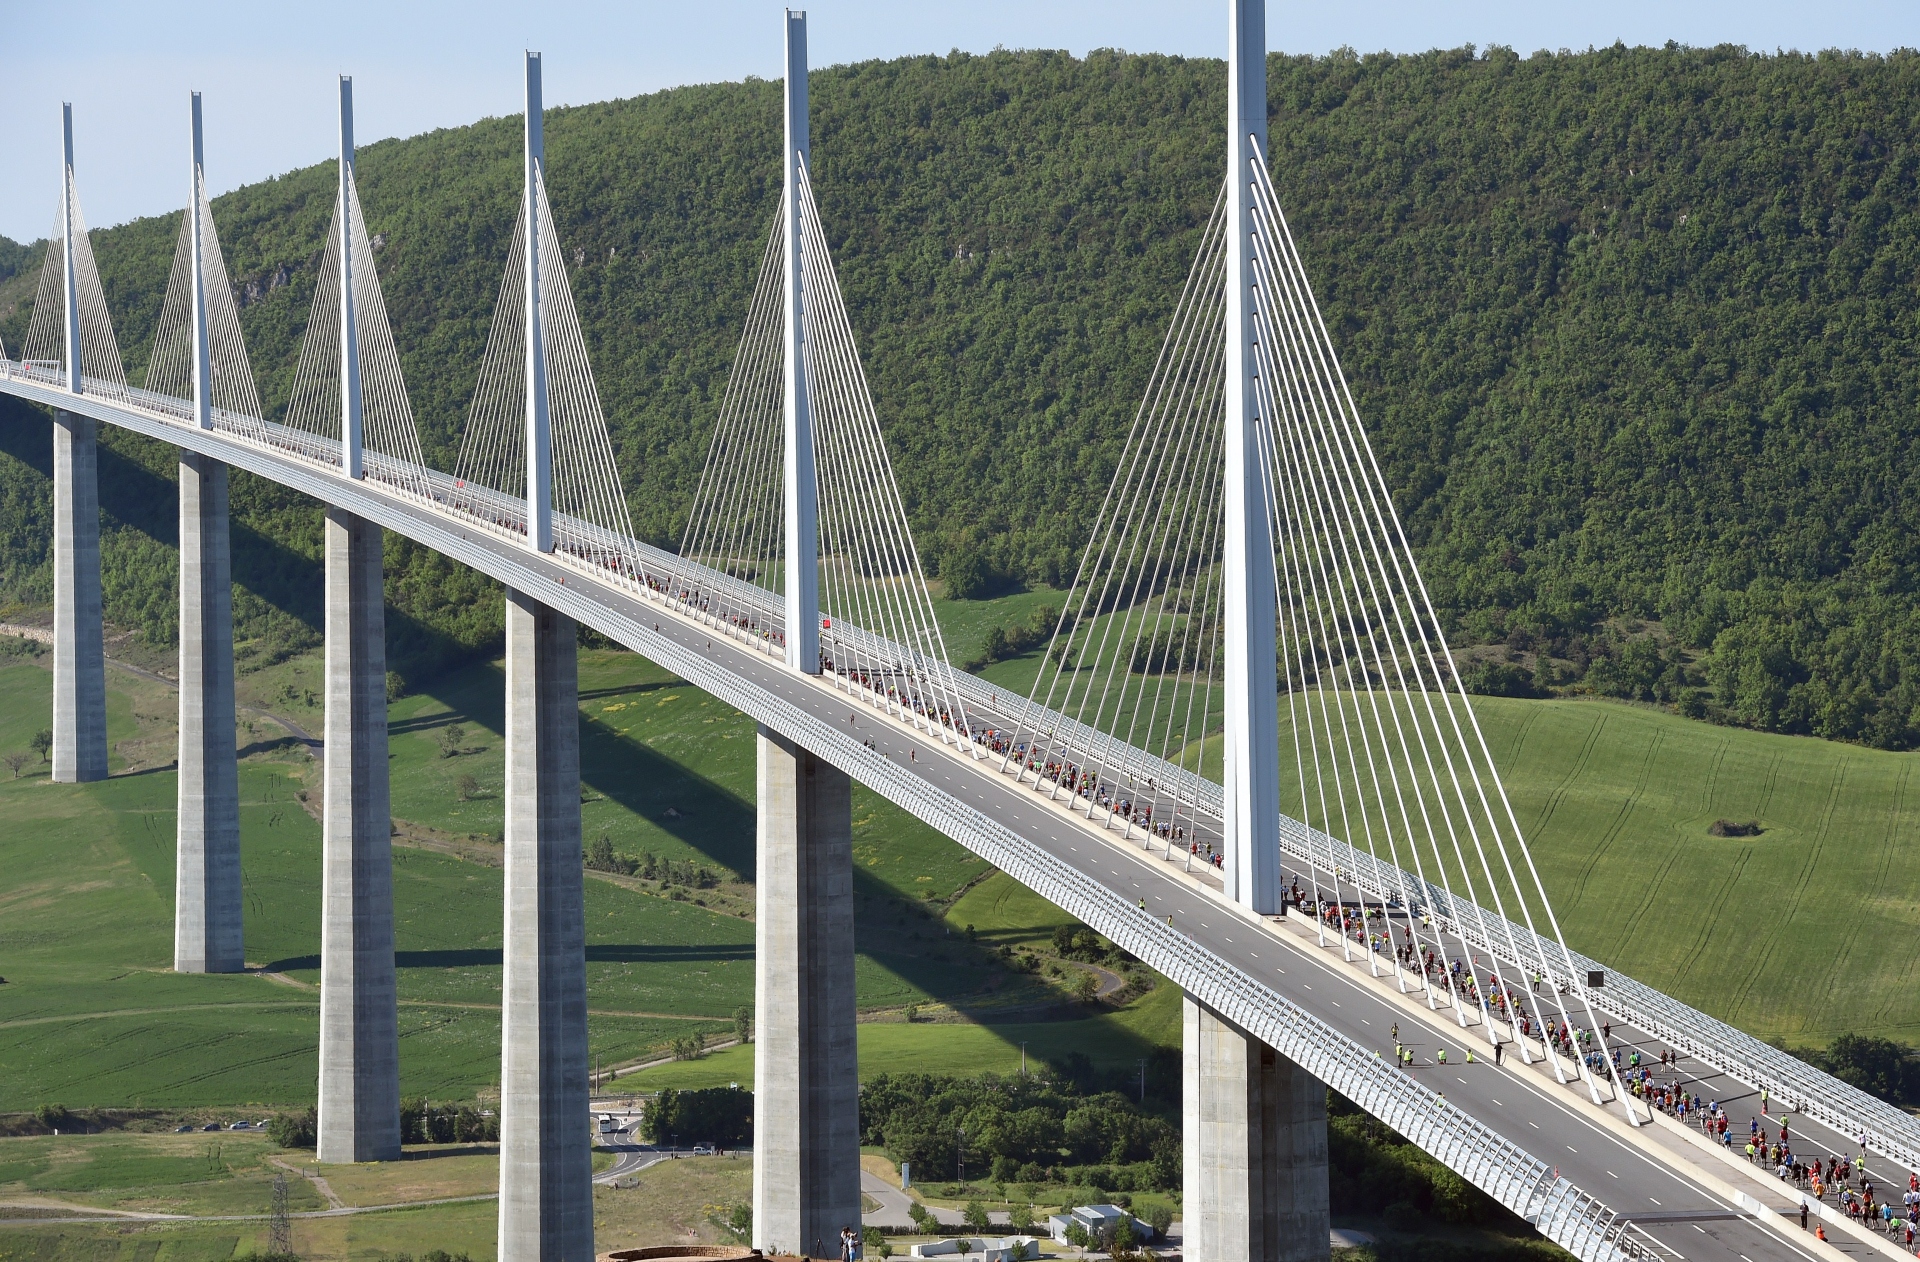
(267, 68)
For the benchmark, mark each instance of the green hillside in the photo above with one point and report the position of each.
(1792, 933)
(92, 1015)
(1634, 330)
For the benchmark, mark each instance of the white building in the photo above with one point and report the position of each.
(1096, 1220)
(979, 1249)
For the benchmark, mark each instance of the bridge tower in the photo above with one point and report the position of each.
(207, 902)
(79, 650)
(359, 1012)
(1252, 823)
(806, 1152)
(1255, 1161)
(546, 1176)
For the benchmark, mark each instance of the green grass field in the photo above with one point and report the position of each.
(1789, 933)
(1112, 1041)
(1793, 933)
(91, 1013)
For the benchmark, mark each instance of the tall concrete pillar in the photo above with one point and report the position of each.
(79, 658)
(359, 1016)
(206, 905)
(806, 1089)
(546, 1174)
(1256, 1148)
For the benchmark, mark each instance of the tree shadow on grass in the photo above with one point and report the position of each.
(464, 1150)
(135, 496)
(706, 816)
(600, 953)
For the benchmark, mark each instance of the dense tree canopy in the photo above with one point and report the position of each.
(1633, 329)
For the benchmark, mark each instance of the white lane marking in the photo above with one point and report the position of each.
(1702, 1230)
(1535, 1125)
(1654, 1199)
(1612, 1175)
(1228, 939)
(1364, 1021)
(1571, 1148)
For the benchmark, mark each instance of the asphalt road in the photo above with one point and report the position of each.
(1670, 1208)
(1683, 1218)
(1679, 1215)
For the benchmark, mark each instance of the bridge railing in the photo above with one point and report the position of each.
(1792, 1082)
(654, 573)
(1511, 1175)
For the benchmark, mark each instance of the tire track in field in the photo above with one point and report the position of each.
(1854, 923)
(1619, 821)
(1657, 882)
(1890, 994)
(1710, 924)
(1574, 773)
(1703, 928)
(1817, 844)
(1714, 766)
(1518, 742)
(290, 1005)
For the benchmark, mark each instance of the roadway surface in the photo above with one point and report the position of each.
(1684, 1219)
(1681, 1217)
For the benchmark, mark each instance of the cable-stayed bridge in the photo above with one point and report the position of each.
(1247, 758)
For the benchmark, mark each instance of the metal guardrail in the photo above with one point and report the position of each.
(1517, 1179)
(1709, 1040)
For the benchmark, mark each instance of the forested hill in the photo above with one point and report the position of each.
(1634, 329)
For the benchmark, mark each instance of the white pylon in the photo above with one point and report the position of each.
(801, 493)
(352, 421)
(1252, 744)
(539, 421)
(202, 352)
(70, 284)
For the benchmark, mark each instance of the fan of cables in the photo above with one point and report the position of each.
(235, 397)
(389, 440)
(590, 517)
(1134, 664)
(879, 637)
(101, 367)
(1386, 781)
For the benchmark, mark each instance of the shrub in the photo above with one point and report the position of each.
(295, 1130)
(716, 1115)
(1497, 679)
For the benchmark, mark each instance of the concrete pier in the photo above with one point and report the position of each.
(1256, 1148)
(359, 1016)
(79, 660)
(206, 907)
(546, 1176)
(806, 1090)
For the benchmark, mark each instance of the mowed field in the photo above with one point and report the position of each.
(1802, 932)
(1795, 932)
(91, 1013)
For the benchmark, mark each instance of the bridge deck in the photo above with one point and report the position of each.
(1681, 1202)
